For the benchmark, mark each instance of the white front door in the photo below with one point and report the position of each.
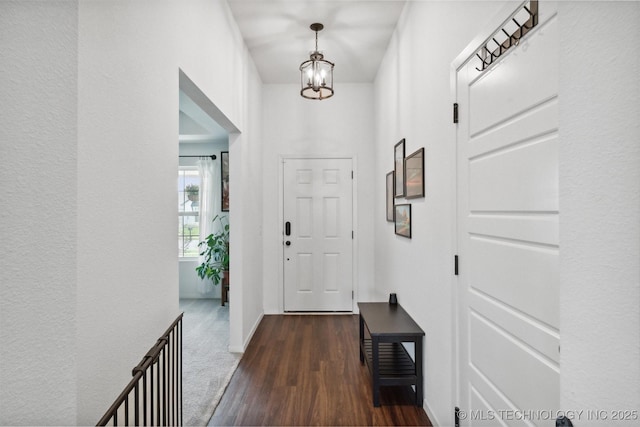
(508, 219)
(318, 236)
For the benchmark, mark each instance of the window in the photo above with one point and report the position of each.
(188, 211)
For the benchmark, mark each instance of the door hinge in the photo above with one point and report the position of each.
(455, 112)
(352, 294)
(456, 416)
(352, 235)
(351, 174)
(455, 265)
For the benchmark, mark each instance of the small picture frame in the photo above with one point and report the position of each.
(403, 220)
(398, 162)
(224, 181)
(414, 175)
(390, 198)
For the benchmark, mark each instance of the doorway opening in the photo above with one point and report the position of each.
(203, 171)
(203, 185)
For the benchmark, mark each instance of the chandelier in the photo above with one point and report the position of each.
(316, 74)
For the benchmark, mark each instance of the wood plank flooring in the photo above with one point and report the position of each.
(305, 370)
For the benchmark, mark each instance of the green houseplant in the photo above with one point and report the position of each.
(215, 249)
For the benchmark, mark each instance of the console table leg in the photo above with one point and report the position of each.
(419, 379)
(361, 338)
(376, 370)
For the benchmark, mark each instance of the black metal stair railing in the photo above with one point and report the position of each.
(154, 394)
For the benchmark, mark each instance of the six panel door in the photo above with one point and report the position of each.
(318, 254)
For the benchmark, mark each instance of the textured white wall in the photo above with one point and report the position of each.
(339, 126)
(247, 170)
(38, 177)
(600, 192)
(90, 153)
(128, 145)
(600, 207)
(413, 101)
(127, 165)
(245, 205)
(211, 53)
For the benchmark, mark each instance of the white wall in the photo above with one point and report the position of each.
(600, 207)
(91, 280)
(125, 63)
(413, 101)
(339, 126)
(127, 163)
(38, 178)
(213, 55)
(246, 207)
(599, 179)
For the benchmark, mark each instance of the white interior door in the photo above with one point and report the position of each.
(318, 254)
(507, 142)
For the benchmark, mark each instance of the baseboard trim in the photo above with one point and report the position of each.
(430, 414)
(318, 313)
(310, 313)
(248, 340)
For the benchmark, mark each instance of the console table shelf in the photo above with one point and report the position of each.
(383, 329)
(396, 366)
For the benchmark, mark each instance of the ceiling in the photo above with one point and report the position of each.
(355, 36)
(196, 125)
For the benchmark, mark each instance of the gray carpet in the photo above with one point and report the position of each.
(207, 363)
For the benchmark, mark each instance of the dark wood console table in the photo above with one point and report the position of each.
(383, 329)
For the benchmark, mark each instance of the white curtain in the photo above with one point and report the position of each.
(209, 202)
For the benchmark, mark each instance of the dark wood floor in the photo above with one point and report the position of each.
(305, 370)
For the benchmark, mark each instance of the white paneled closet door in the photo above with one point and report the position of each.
(508, 220)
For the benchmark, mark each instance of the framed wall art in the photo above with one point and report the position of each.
(224, 181)
(398, 161)
(414, 175)
(390, 198)
(403, 220)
